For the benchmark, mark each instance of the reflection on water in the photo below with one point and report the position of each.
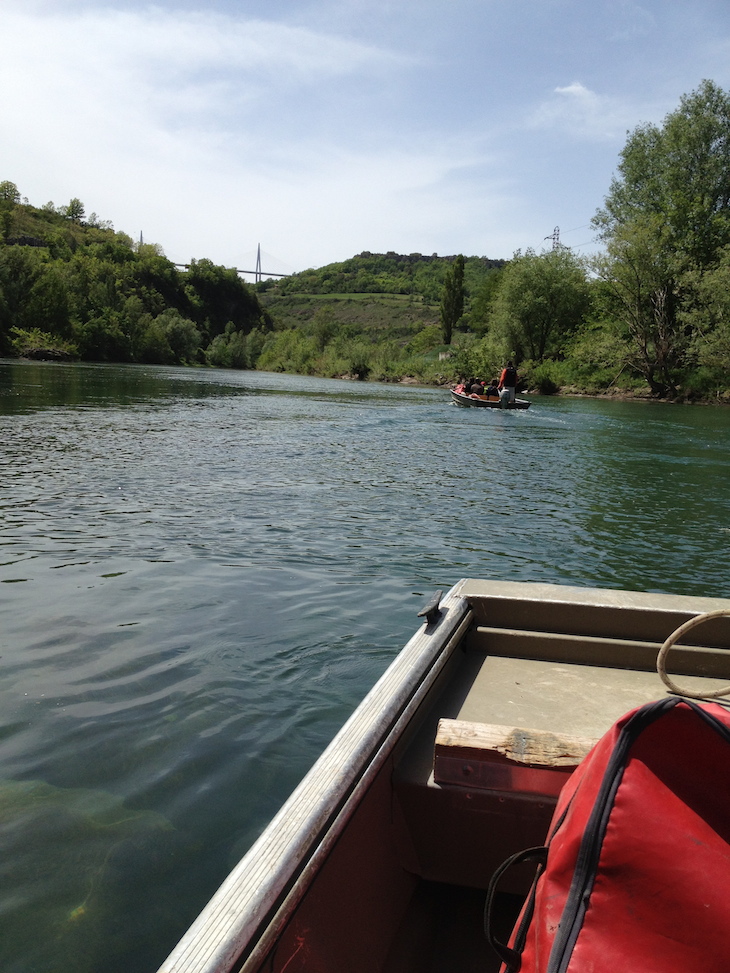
(202, 573)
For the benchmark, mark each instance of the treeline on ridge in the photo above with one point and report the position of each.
(383, 273)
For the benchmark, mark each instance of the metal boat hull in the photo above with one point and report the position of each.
(484, 402)
(379, 860)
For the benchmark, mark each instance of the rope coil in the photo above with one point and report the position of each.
(661, 662)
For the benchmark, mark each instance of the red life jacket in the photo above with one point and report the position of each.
(635, 874)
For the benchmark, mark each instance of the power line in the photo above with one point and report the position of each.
(557, 245)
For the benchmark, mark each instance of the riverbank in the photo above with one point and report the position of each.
(718, 397)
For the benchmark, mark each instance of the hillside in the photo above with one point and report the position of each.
(387, 273)
(395, 315)
(373, 315)
(391, 296)
(72, 287)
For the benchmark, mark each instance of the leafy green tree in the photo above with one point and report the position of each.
(217, 295)
(640, 291)
(229, 350)
(426, 339)
(5, 324)
(75, 211)
(152, 346)
(708, 320)
(483, 301)
(289, 351)
(159, 285)
(47, 303)
(542, 300)
(103, 338)
(9, 191)
(679, 173)
(324, 326)
(20, 270)
(666, 221)
(181, 334)
(452, 299)
(6, 223)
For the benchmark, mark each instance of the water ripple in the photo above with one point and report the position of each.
(204, 572)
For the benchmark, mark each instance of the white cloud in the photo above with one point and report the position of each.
(583, 114)
(191, 64)
(211, 133)
(320, 128)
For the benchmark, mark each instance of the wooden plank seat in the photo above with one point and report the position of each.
(505, 758)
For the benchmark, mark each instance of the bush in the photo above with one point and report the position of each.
(103, 339)
(229, 350)
(288, 351)
(34, 343)
(169, 339)
(544, 377)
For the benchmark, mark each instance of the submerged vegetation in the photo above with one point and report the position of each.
(648, 315)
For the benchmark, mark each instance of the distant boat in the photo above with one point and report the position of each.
(487, 401)
(380, 859)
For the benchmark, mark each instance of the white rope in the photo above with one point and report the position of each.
(661, 662)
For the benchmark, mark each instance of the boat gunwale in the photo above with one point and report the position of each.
(469, 401)
(237, 924)
(240, 924)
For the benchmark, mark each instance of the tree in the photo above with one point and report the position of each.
(639, 291)
(324, 326)
(217, 295)
(75, 211)
(6, 223)
(483, 300)
(666, 220)
(680, 173)
(452, 298)
(9, 192)
(542, 300)
(709, 322)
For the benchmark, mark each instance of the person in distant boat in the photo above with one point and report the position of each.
(492, 388)
(477, 388)
(508, 382)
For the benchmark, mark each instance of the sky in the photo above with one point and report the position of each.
(319, 129)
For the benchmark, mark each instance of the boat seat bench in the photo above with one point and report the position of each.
(478, 772)
(505, 758)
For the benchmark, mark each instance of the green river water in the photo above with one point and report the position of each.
(203, 572)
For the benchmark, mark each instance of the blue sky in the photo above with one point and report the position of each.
(320, 129)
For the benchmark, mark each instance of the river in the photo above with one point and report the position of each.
(203, 572)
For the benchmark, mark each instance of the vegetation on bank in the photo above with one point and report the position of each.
(71, 287)
(649, 315)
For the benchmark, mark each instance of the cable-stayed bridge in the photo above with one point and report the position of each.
(257, 258)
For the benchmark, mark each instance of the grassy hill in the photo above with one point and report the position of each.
(373, 315)
(395, 315)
